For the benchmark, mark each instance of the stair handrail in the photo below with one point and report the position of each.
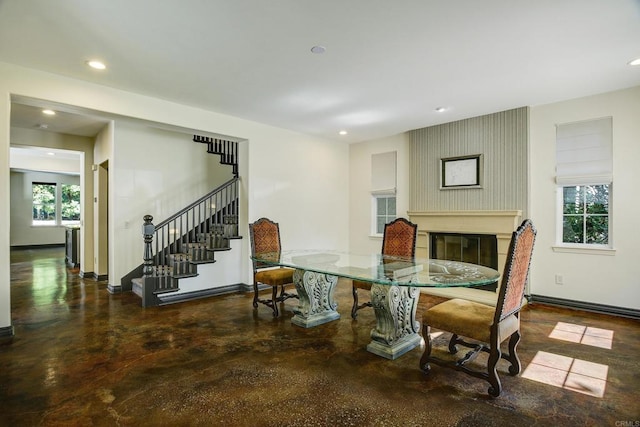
(196, 203)
(216, 212)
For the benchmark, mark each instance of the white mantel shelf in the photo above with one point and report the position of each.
(499, 223)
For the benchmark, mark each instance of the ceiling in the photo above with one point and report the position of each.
(387, 66)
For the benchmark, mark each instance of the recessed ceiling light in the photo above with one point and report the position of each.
(441, 109)
(51, 153)
(98, 65)
(318, 49)
(49, 112)
(343, 132)
(635, 62)
(43, 126)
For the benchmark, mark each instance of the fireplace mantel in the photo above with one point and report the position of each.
(499, 223)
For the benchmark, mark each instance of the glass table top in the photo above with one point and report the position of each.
(385, 270)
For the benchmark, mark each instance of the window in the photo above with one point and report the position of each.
(584, 177)
(44, 203)
(585, 214)
(385, 211)
(383, 190)
(70, 206)
(53, 208)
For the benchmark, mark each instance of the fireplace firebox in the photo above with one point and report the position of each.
(479, 249)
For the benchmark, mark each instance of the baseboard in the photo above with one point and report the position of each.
(43, 246)
(204, 293)
(587, 306)
(100, 277)
(6, 333)
(114, 289)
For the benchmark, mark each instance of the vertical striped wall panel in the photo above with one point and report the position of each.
(501, 138)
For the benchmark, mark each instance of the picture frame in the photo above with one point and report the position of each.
(461, 172)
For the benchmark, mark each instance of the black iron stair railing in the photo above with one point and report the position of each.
(228, 150)
(175, 246)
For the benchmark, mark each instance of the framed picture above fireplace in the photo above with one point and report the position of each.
(461, 172)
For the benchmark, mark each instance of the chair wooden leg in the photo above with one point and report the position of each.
(494, 356)
(354, 309)
(453, 348)
(274, 300)
(512, 357)
(424, 360)
(255, 294)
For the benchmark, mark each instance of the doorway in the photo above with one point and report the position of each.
(102, 222)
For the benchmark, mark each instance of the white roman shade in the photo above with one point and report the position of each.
(383, 173)
(584, 152)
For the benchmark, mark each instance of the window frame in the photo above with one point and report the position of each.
(67, 222)
(55, 221)
(560, 245)
(58, 204)
(375, 198)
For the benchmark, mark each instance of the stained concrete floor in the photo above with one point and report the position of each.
(81, 356)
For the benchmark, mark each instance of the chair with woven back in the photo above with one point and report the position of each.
(487, 326)
(265, 244)
(399, 240)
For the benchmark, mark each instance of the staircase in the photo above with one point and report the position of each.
(175, 247)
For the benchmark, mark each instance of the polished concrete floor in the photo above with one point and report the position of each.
(81, 356)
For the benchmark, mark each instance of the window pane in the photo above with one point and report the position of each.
(391, 207)
(598, 230)
(385, 212)
(597, 198)
(572, 229)
(70, 203)
(44, 203)
(573, 200)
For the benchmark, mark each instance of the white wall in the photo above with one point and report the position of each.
(596, 278)
(23, 233)
(21, 159)
(360, 238)
(298, 180)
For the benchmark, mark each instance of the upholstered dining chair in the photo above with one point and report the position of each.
(265, 243)
(399, 239)
(487, 326)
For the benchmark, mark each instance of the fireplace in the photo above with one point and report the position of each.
(479, 249)
(500, 224)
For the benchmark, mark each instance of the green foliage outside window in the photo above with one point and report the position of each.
(585, 214)
(44, 203)
(70, 202)
(46, 206)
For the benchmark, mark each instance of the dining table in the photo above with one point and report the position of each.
(395, 289)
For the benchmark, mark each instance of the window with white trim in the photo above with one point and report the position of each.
(70, 204)
(55, 205)
(584, 176)
(385, 211)
(383, 190)
(43, 196)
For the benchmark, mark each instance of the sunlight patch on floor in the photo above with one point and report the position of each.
(566, 372)
(587, 335)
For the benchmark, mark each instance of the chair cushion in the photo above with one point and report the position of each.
(361, 285)
(469, 319)
(275, 276)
